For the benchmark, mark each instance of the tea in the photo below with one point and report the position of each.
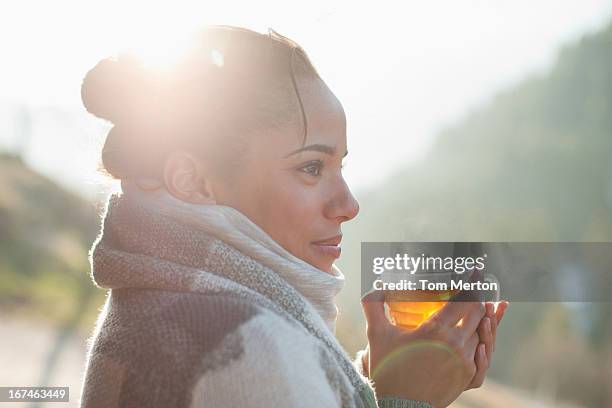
(409, 309)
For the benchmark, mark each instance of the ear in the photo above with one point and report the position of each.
(186, 179)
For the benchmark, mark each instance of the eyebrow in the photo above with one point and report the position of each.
(317, 148)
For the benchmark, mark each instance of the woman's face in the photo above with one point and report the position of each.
(294, 191)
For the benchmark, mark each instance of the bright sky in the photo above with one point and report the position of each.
(403, 70)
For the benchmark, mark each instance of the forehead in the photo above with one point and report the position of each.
(325, 118)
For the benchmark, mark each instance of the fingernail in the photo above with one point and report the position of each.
(488, 325)
(482, 350)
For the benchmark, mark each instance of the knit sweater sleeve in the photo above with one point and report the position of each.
(388, 401)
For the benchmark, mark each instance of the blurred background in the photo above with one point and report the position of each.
(467, 121)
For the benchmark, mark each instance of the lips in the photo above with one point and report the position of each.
(329, 247)
(333, 241)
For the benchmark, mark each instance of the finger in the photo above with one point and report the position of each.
(373, 305)
(469, 351)
(451, 313)
(486, 337)
(501, 310)
(490, 313)
(490, 306)
(471, 346)
(494, 331)
(499, 313)
(482, 364)
(471, 320)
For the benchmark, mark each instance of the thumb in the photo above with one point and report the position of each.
(373, 304)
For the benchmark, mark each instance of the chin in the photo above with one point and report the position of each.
(324, 265)
(325, 268)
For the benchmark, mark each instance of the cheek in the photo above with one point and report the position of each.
(287, 210)
(292, 208)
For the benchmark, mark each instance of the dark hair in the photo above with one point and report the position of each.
(232, 83)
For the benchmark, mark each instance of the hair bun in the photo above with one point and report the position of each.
(110, 89)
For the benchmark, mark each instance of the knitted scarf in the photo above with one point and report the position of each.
(152, 240)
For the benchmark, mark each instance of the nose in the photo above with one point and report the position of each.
(343, 206)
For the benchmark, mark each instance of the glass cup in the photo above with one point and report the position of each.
(410, 308)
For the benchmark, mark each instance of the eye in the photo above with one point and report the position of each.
(313, 168)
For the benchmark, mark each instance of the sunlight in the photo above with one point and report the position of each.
(162, 35)
(161, 50)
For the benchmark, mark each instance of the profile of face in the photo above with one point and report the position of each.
(294, 191)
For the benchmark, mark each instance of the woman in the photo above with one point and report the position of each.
(219, 252)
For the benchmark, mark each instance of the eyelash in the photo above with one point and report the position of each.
(318, 163)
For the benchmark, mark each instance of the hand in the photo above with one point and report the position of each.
(435, 362)
(493, 317)
(487, 332)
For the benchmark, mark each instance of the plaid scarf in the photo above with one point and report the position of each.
(153, 241)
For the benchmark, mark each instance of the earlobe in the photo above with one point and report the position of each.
(185, 178)
(206, 193)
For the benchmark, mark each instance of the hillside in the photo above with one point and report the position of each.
(45, 233)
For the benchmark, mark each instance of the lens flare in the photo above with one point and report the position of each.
(404, 354)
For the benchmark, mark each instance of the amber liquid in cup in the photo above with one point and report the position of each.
(409, 309)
